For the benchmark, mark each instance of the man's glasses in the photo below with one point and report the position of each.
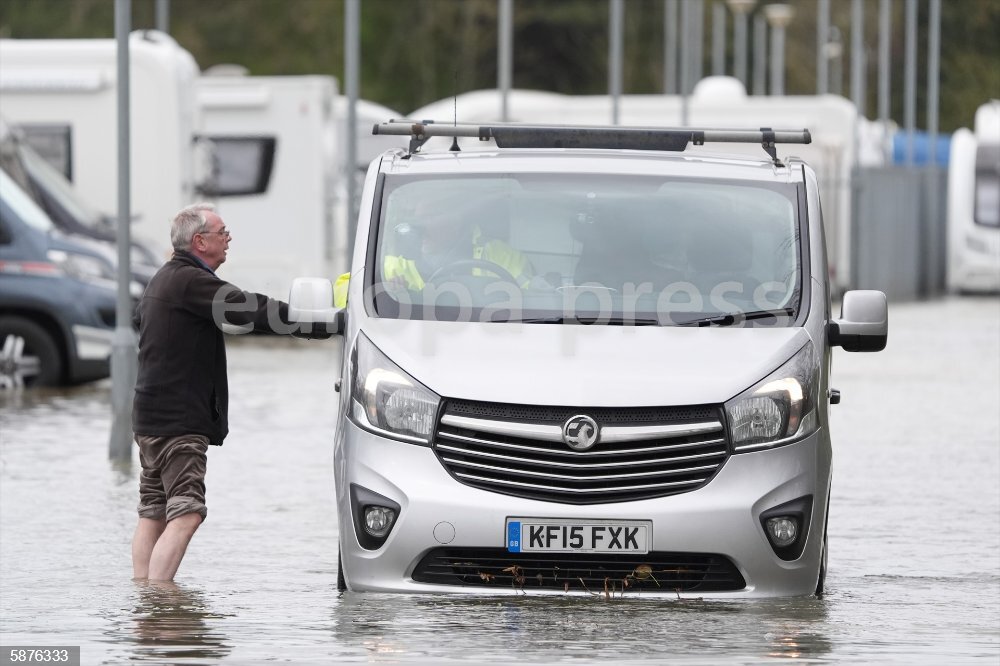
(221, 232)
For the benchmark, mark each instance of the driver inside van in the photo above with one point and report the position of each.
(437, 241)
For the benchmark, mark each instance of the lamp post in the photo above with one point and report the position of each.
(822, 35)
(740, 10)
(670, 46)
(504, 49)
(833, 49)
(858, 80)
(778, 17)
(163, 15)
(352, 80)
(759, 55)
(718, 39)
(125, 343)
(615, 46)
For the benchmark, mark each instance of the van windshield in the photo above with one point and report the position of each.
(587, 248)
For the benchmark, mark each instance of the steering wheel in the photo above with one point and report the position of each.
(463, 265)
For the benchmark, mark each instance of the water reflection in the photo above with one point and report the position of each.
(172, 622)
(384, 626)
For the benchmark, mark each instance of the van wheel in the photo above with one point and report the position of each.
(28, 355)
(341, 581)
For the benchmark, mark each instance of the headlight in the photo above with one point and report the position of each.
(778, 410)
(81, 266)
(386, 400)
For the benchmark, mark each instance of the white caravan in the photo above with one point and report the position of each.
(268, 151)
(716, 102)
(974, 204)
(370, 145)
(291, 218)
(63, 94)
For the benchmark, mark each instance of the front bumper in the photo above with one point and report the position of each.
(721, 518)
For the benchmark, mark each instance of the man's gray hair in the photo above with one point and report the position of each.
(187, 223)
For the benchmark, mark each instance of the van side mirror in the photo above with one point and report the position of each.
(310, 306)
(864, 322)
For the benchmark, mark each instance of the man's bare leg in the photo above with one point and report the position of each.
(146, 533)
(171, 546)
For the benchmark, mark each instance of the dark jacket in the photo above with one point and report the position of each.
(182, 387)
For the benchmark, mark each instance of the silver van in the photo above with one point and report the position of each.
(586, 361)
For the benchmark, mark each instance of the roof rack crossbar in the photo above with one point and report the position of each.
(517, 135)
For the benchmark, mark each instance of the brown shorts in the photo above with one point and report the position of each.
(172, 480)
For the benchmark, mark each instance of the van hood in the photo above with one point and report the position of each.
(594, 366)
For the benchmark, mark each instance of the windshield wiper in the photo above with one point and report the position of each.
(736, 317)
(589, 321)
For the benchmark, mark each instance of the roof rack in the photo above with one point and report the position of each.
(517, 135)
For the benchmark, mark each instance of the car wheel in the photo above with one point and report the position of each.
(28, 354)
(341, 581)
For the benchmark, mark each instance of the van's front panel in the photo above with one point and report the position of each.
(705, 535)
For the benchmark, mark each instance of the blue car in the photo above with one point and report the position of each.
(57, 301)
(55, 195)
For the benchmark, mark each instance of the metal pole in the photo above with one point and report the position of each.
(124, 346)
(910, 79)
(352, 58)
(740, 47)
(163, 15)
(858, 56)
(933, 79)
(835, 52)
(617, 10)
(718, 39)
(884, 39)
(759, 55)
(936, 232)
(778, 60)
(822, 57)
(778, 16)
(685, 59)
(698, 41)
(504, 49)
(670, 47)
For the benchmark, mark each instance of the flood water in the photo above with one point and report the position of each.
(914, 533)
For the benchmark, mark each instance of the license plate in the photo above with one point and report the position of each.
(555, 535)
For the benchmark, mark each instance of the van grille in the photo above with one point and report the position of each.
(579, 572)
(642, 453)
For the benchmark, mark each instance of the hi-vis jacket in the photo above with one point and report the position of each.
(492, 250)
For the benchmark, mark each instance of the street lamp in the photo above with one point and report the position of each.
(833, 49)
(740, 10)
(778, 17)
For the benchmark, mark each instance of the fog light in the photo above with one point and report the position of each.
(378, 520)
(782, 530)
